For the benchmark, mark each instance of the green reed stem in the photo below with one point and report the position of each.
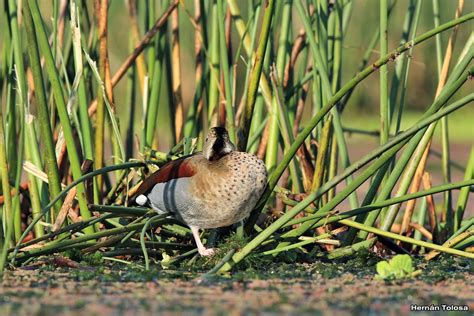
(156, 88)
(384, 106)
(399, 138)
(255, 76)
(246, 40)
(43, 113)
(33, 187)
(85, 124)
(283, 44)
(14, 141)
(286, 130)
(119, 210)
(51, 248)
(377, 205)
(6, 216)
(317, 221)
(142, 239)
(464, 194)
(224, 61)
(213, 93)
(296, 245)
(405, 239)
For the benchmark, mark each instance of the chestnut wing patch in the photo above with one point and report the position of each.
(179, 168)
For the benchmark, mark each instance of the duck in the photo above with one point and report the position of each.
(216, 187)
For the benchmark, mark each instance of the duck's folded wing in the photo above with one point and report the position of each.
(175, 169)
(167, 190)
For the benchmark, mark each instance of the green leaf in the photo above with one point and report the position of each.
(399, 267)
(383, 269)
(402, 263)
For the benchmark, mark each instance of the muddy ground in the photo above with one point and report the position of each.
(317, 288)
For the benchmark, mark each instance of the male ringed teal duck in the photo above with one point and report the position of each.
(213, 188)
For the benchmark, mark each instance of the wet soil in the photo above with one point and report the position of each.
(317, 288)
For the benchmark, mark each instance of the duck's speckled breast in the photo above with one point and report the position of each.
(225, 191)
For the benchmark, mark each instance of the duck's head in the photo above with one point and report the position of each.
(217, 144)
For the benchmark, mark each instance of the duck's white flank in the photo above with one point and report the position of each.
(141, 200)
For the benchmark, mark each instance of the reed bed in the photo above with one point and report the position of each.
(78, 134)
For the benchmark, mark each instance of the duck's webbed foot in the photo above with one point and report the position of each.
(206, 252)
(203, 251)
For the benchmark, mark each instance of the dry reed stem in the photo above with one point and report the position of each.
(67, 205)
(431, 205)
(307, 167)
(396, 228)
(298, 46)
(69, 200)
(62, 163)
(108, 83)
(420, 170)
(62, 17)
(23, 186)
(106, 242)
(300, 106)
(449, 244)
(321, 158)
(262, 148)
(100, 117)
(176, 74)
(422, 230)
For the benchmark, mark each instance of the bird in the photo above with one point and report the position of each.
(216, 187)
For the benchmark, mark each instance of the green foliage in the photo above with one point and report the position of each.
(398, 268)
(91, 259)
(231, 242)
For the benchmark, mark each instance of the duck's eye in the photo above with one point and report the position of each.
(207, 138)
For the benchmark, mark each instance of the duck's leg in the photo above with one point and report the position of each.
(203, 251)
